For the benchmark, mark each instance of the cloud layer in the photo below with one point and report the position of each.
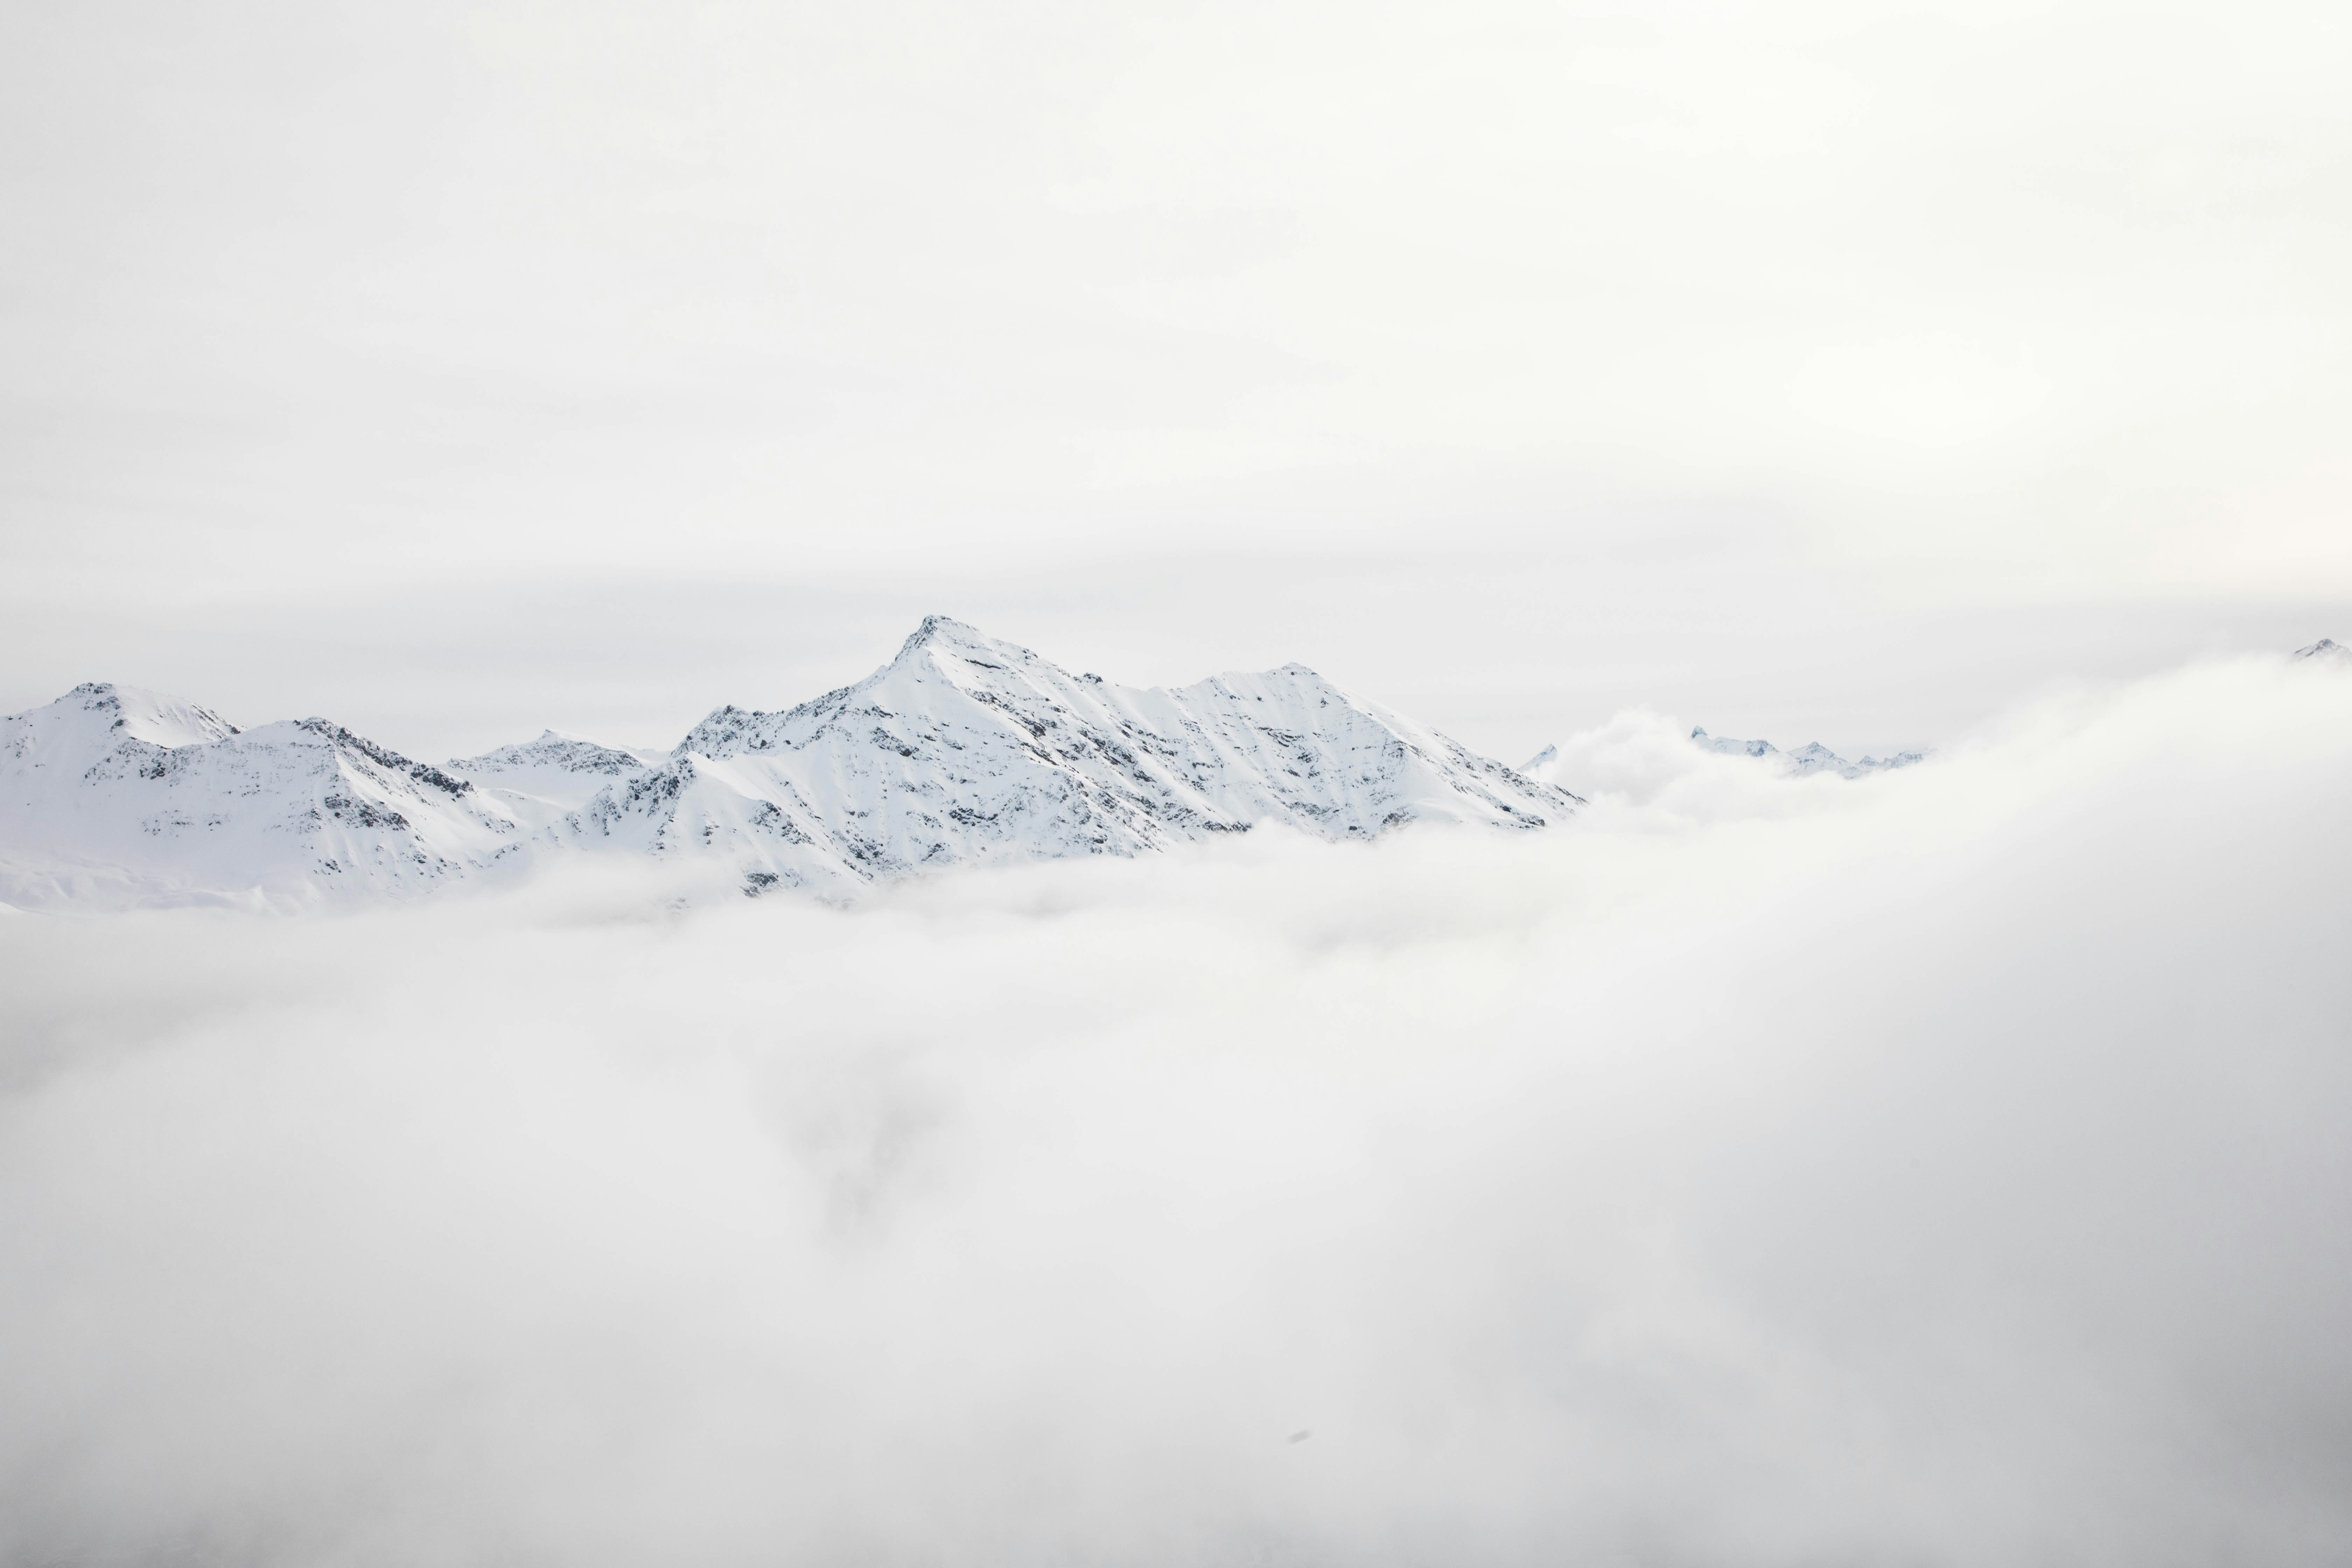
(1945, 1168)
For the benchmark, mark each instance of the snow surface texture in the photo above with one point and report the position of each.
(962, 750)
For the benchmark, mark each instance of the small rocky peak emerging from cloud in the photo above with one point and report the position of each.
(2327, 650)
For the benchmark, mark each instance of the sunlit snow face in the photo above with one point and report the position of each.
(1946, 1166)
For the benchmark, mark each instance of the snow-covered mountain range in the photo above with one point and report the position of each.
(962, 750)
(1805, 761)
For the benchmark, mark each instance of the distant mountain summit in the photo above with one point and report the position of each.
(962, 750)
(2327, 650)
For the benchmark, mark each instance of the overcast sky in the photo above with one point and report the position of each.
(459, 369)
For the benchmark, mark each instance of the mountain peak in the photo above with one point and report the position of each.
(954, 636)
(2326, 649)
(134, 712)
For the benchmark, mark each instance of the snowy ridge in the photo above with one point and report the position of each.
(554, 756)
(2327, 650)
(1805, 760)
(962, 750)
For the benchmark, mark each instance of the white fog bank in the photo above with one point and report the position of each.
(1947, 1167)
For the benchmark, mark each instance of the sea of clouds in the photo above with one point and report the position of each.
(1947, 1167)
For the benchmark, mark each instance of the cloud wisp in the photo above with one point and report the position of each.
(1945, 1168)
